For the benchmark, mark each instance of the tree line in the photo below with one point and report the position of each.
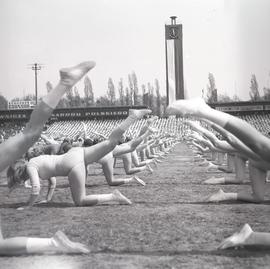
(116, 95)
(211, 94)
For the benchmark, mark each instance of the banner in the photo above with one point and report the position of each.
(171, 71)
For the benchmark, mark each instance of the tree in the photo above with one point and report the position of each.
(211, 89)
(131, 89)
(3, 102)
(151, 96)
(49, 86)
(254, 89)
(103, 101)
(127, 97)
(145, 96)
(224, 98)
(266, 93)
(77, 98)
(111, 92)
(135, 88)
(70, 97)
(121, 92)
(88, 92)
(158, 98)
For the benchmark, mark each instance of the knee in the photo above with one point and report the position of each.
(78, 201)
(32, 132)
(258, 197)
(111, 183)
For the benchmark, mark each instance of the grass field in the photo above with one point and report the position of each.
(168, 225)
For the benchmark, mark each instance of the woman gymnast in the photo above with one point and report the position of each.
(73, 165)
(223, 146)
(14, 147)
(242, 136)
(59, 243)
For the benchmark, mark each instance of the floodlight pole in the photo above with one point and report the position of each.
(36, 67)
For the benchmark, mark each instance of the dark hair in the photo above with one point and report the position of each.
(16, 173)
(67, 140)
(88, 142)
(64, 148)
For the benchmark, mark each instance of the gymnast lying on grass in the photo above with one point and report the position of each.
(59, 243)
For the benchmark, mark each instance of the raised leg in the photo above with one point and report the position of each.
(13, 148)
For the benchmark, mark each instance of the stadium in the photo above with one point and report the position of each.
(136, 176)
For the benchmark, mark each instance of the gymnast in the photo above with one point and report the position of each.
(59, 243)
(223, 146)
(242, 136)
(14, 147)
(73, 165)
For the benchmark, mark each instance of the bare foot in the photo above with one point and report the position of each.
(139, 113)
(149, 169)
(216, 197)
(186, 107)
(237, 239)
(121, 198)
(212, 166)
(71, 75)
(215, 180)
(64, 245)
(140, 181)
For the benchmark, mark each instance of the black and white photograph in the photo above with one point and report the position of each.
(134, 134)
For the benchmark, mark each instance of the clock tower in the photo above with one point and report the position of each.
(174, 61)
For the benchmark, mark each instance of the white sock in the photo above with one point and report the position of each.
(127, 180)
(53, 97)
(40, 245)
(105, 198)
(127, 122)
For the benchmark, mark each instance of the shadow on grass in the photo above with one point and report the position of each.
(250, 251)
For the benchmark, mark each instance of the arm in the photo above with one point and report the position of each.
(34, 179)
(51, 188)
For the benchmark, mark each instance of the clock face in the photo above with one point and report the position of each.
(173, 32)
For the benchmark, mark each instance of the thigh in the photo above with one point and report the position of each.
(258, 178)
(127, 161)
(77, 177)
(107, 168)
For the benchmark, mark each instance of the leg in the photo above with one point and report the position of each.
(257, 178)
(25, 245)
(13, 148)
(240, 169)
(135, 160)
(252, 138)
(107, 168)
(77, 185)
(96, 152)
(128, 165)
(220, 196)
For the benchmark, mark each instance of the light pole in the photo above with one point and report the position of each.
(36, 67)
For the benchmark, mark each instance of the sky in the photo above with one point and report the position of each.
(229, 38)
